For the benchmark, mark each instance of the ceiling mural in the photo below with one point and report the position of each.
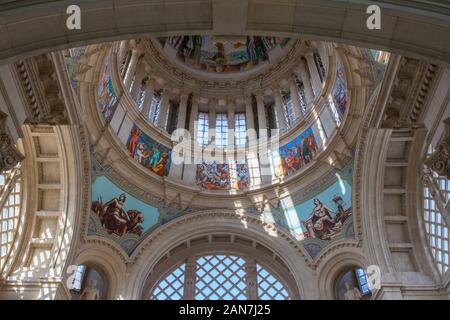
(125, 214)
(224, 54)
(320, 216)
(121, 212)
(153, 155)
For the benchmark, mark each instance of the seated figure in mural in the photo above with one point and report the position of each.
(320, 223)
(115, 219)
(161, 166)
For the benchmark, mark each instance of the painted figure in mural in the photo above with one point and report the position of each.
(161, 166)
(312, 146)
(135, 135)
(297, 153)
(341, 214)
(155, 155)
(305, 150)
(142, 153)
(115, 219)
(320, 223)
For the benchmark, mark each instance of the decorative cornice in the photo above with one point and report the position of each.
(409, 93)
(39, 82)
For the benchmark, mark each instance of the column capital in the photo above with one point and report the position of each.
(9, 155)
(184, 96)
(439, 160)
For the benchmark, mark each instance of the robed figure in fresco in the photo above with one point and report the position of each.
(115, 219)
(320, 223)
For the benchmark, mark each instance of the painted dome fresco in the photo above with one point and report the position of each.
(217, 54)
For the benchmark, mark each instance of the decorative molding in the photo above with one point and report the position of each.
(439, 160)
(40, 85)
(10, 156)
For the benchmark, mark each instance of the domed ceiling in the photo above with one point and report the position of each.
(216, 54)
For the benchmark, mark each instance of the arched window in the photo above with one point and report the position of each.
(220, 277)
(436, 195)
(10, 202)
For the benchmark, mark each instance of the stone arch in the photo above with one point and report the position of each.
(335, 266)
(198, 225)
(339, 21)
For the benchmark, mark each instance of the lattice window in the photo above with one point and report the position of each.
(220, 277)
(202, 129)
(10, 200)
(240, 127)
(269, 287)
(221, 130)
(435, 226)
(172, 286)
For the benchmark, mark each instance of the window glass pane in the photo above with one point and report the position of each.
(221, 130)
(202, 129)
(240, 129)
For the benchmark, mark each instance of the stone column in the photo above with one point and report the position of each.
(194, 117)
(252, 279)
(279, 109)
(313, 71)
(294, 97)
(137, 84)
(123, 47)
(164, 109)
(182, 111)
(212, 119)
(150, 91)
(262, 121)
(131, 68)
(302, 73)
(249, 113)
(231, 106)
(189, 279)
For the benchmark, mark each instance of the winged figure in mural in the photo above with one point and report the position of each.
(115, 219)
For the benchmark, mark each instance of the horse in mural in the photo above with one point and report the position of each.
(115, 219)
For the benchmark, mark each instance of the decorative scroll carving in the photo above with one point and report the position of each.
(439, 161)
(9, 155)
(409, 93)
